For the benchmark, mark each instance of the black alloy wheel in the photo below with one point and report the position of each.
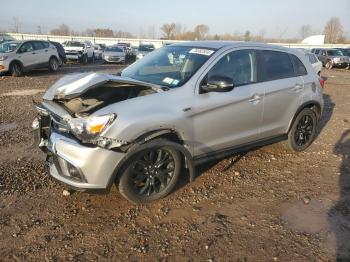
(304, 130)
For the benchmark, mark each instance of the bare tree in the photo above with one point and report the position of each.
(333, 31)
(168, 30)
(17, 24)
(201, 31)
(247, 36)
(305, 31)
(63, 29)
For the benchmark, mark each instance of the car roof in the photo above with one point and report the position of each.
(222, 44)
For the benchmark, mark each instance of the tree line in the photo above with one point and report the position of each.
(333, 32)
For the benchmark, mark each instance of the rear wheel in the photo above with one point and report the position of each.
(16, 69)
(303, 130)
(150, 174)
(53, 64)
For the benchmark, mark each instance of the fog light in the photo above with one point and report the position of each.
(2, 67)
(73, 171)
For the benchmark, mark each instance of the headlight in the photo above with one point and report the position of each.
(3, 58)
(87, 129)
(336, 59)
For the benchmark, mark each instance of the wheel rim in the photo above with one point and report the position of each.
(152, 172)
(304, 130)
(54, 64)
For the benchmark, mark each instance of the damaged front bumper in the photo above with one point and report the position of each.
(83, 167)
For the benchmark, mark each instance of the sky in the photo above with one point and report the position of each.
(275, 18)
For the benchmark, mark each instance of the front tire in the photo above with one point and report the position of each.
(16, 69)
(150, 174)
(303, 130)
(329, 65)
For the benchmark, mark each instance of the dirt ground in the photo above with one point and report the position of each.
(264, 205)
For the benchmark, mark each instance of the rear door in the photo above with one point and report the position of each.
(283, 91)
(40, 52)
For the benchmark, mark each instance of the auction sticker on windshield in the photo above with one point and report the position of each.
(201, 51)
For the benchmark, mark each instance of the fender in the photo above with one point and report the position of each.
(307, 104)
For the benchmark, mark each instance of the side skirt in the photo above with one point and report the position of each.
(220, 154)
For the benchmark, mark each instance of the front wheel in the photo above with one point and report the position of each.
(303, 130)
(150, 174)
(16, 69)
(329, 65)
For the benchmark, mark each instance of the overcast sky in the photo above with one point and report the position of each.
(275, 17)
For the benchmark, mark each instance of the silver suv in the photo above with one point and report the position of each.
(179, 106)
(18, 57)
(81, 51)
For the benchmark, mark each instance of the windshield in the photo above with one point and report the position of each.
(170, 66)
(75, 44)
(113, 49)
(146, 48)
(334, 52)
(8, 47)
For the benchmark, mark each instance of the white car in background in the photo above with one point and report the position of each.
(113, 54)
(81, 51)
(98, 51)
(316, 64)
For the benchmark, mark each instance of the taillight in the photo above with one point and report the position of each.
(322, 81)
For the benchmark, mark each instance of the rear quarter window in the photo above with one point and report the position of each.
(299, 67)
(45, 44)
(276, 65)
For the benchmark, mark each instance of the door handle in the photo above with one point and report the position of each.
(33, 53)
(255, 98)
(46, 50)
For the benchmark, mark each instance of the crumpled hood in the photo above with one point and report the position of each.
(73, 85)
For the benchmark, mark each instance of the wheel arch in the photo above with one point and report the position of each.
(17, 61)
(313, 105)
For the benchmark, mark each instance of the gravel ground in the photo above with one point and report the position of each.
(264, 205)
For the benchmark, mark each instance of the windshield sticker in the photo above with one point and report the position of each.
(175, 82)
(168, 80)
(200, 51)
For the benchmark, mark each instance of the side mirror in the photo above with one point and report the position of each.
(218, 83)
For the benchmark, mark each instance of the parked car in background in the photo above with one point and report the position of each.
(61, 52)
(127, 50)
(98, 52)
(144, 49)
(18, 57)
(6, 38)
(103, 46)
(332, 58)
(181, 105)
(81, 51)
(114, 54)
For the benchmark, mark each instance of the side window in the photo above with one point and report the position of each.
(298, 66)
(276, 65)
(45, 44)
(26, 47)
(240, 66)
(38, 45)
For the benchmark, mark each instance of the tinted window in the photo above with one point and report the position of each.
(312, 58)
(276, 65)
(240, 66)
(27, 47)
(298, 66)
(45, 44)
(38, 45)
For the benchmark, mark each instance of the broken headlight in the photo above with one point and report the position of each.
(89, 128)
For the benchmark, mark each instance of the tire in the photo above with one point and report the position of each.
(93, 58)
(144, 178)
(84, 59)
(53, 64)
(303, 131)
(329, 65)
(60, 61)
(16, 69)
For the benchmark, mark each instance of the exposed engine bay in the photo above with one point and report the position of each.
(102, 95)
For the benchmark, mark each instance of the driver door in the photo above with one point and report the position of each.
(226, 119)
(27, 54)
